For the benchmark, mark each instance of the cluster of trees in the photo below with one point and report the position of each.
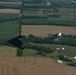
(41, 50)
(37, 6)
(19, 52)
(4, 20)
(35, 39)
(55, 16)
(25, 43)
(33, 17)
(46, 40)
(61, 57)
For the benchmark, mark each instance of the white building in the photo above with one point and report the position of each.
(59, 34)
(59, 61)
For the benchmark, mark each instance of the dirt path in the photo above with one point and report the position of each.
(9, 11)
(44, 30)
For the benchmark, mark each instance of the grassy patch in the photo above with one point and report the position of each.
(29, 52)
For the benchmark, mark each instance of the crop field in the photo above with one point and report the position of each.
(9, 29)
(16, 2)
(6, 51)
(9, 25)
(8, 16)
(44, 30)
(9, 11)
(11, 65)
(66, 13)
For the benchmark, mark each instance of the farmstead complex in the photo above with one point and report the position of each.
(37, 37)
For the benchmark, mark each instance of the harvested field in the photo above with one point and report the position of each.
(12, 65)
(6, 51)
(44, 30)
(10, 2)
(33, 66)
(9, 11)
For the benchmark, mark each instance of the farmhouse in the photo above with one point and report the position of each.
(59, 34)
(59, 61)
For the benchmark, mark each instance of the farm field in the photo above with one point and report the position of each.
(10, 2)
(9, 26)
(6, 51)
(9, 11)
(11, 65)
(29, 63)
(9, 29)
(44, 30)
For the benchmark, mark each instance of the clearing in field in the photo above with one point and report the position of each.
(44, 30)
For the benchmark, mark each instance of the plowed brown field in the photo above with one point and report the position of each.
(12, 65)
(33, 66)
(9, 11)
(10, 2)
(44, 30)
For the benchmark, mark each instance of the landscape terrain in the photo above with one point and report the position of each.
(29, 41)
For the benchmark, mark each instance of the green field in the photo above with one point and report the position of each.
(8, 16)
(29, 52)
(14, 6)
(49, 22)
(9, 29)
(67, 40)
(69, 50)
(9, 25)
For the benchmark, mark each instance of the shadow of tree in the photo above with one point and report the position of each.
(16, 42)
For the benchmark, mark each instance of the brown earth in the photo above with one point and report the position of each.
(33, 66)
(10, 2)
(9, 11)
(44, 30)
(12, 65)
